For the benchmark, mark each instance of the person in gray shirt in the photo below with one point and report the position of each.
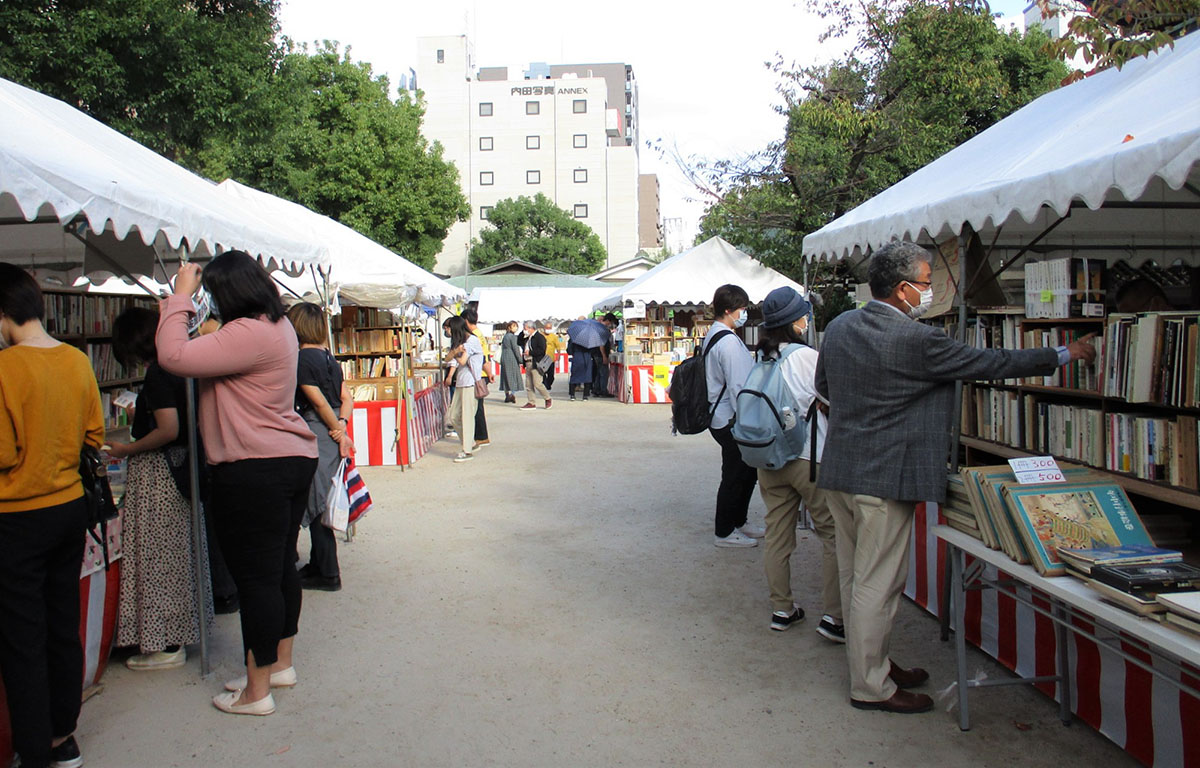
(727, 363)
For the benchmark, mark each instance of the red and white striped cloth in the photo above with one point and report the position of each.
(1150, 719)
(643, 387)
(379, 433)
(429, 420)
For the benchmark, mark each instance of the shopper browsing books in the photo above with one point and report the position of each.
(262, 455)
(890, 386)
(786, 315)
(481, 429)
(466, 366)
(49, 407)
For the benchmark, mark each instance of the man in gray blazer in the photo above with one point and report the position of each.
(889, 382)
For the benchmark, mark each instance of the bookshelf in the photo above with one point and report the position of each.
(377, 352)
(663, 336)
(1133, 414)
(84, 320)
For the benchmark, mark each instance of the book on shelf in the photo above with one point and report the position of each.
(1061, 288)
(1078, 374)
(1139, 604)
(1185, 604)
(1071, 432)
(1176, 621)
(1152, 358)
(1082, 560)
(1073, 515)
(1150, 579)
(1154, 447)
(957, 510)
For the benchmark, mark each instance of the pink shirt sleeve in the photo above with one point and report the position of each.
(232, 349)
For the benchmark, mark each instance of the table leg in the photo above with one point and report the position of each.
(944, 601)
(1061, 636)
(958, 564)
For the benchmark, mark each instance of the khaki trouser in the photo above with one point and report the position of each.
(782, 491)
(461, 417)
(872, 547)
(533, 381)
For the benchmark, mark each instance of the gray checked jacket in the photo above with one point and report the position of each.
(890, 386)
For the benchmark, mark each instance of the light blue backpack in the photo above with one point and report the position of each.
(770, 430)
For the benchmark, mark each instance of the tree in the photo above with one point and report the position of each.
(169, 74)
(921, 77)
(538, 231)
(342, 147)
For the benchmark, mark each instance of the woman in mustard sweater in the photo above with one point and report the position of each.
(49, 407)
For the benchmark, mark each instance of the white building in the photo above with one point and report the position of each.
(566, 131)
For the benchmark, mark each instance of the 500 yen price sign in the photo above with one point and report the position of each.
(1036, 469)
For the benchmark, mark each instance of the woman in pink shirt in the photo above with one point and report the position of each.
(261, 453)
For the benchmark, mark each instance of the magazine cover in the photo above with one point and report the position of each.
(1075, 516)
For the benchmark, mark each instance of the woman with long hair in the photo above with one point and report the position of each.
(261, 453)
(49, 407)
(465, 359)
(323, 399)
(158, 568)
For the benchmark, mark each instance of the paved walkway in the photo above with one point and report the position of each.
(558, 602)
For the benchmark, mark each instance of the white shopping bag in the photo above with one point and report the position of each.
(337, 505)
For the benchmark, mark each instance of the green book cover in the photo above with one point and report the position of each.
(1076, 516)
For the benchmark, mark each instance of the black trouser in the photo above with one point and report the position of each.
(737, 483)
(587, 389)
(480, 420)
(41, 657)
(257, 506)
(599, 374)
(323, 554)
(222, 582)
(548, 376)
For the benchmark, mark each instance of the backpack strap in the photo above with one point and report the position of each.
(704, 360)
(812, 441)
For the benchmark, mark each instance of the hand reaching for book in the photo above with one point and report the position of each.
(1083, 349)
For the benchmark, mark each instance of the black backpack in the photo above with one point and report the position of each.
(690, 412)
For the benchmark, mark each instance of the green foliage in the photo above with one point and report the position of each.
(921, 77)
(342, 147)
(538, 231)
(1112, 32)
(169, 74)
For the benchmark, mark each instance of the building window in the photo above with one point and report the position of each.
(579, 106)
(581, 175)
(487, 178)
(485, 109)
(486, 144)
(441, 56)
(533, 177)
(533, 107)
(581, 210)
(533, 142)
(579, 141)
(485, 212)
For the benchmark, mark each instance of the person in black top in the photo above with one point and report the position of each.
(158, 570)
(324, 401)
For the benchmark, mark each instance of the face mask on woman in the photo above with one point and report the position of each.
(741, 319)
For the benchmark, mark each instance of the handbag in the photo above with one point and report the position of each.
(97, 497)
(545, 362)
(481, 388)
(337, 503)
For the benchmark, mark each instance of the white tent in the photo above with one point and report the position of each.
(1112, 153)
(360, 269)
(693, 276)
(72, 191)
(500, 304)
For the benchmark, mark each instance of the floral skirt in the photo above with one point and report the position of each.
(158, 565)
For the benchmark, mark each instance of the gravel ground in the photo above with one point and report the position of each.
(558, 601)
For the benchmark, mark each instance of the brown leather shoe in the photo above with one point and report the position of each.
(908, 678)
(902, 703)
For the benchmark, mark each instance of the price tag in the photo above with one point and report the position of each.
(1047, 297)
(1036, 469)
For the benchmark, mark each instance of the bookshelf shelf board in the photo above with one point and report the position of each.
(370, 328)
(1064, 391)
(1063, 321)
(378, 353)
(119, 382)
(1148, 488)
(1000, 310)
(1134, 407)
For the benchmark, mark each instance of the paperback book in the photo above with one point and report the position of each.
(1083, 560)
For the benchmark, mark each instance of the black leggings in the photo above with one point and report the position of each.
(41, 657)
(257, 506)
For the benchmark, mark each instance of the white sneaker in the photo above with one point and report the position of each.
(735, 539)
(753, 531)
(158, 660)
(460, 458)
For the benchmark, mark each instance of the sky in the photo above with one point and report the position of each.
(703, 81)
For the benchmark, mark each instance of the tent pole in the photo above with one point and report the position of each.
(203, 577)
(960, 291)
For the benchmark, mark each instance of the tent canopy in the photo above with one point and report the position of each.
(360, 269)
(66, 178)
(501, 304)
(693, 276)
(1085, 151)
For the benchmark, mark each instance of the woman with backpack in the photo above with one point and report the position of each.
(786, 315)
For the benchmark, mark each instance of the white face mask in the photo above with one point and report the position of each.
(741, 319)
(926, 302)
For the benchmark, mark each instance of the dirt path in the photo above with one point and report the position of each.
(558, 602)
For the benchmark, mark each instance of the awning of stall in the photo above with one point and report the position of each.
(536, 303)
(360, 270)
(1115, 153)
(691, 278)
(73, 191)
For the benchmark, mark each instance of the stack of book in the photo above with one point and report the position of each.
(1080, 562)
(1183, 610)
(1072, 287)
(957, 510)
(1138, 587)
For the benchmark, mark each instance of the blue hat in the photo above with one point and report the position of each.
(784, 305)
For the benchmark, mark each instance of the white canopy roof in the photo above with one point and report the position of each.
(500, 304)
(1120, 135)
(360, 269)
(60, 168)
(693, 276)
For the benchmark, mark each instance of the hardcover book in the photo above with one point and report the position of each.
(1075, 516)
(1133, 554)
(1149, 580)
(1186, 604)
